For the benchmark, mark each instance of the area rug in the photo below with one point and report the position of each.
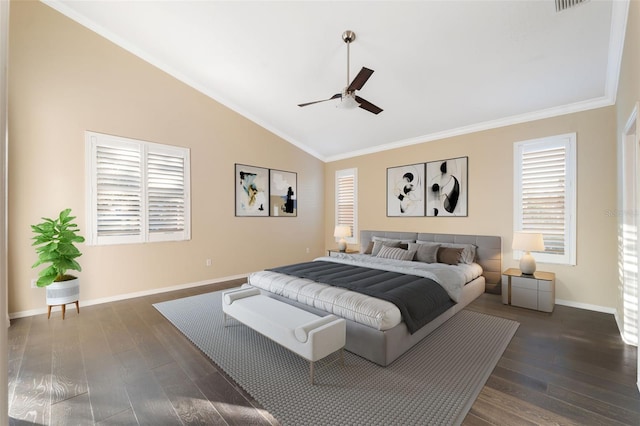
(434, 383)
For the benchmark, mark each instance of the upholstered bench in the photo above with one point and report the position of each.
(311, 336)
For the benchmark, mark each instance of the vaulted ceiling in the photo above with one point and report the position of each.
(442, 68)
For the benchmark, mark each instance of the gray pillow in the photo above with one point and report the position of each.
(468, 252)
(396, 253)
(427, 253)
(377, 245)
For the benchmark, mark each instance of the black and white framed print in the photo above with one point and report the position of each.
(252, 190)
(405, 190)
(284, 193)
(447, 187)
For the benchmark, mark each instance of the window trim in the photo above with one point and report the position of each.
(567, 140)
(92, 141)
(343, 173)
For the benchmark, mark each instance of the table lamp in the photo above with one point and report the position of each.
(527, 242)
(341, 232)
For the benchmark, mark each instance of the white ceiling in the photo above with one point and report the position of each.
(441, 67)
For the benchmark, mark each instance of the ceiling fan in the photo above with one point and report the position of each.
(348, 97)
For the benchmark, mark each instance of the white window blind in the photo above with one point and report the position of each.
(118, 191)
(166, 193)
(544, 194)
(136, 191)
(346, 201)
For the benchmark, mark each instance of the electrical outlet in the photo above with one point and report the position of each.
(33, 283)
(207, 262)
(307, 250)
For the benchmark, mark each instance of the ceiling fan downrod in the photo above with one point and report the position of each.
(348, 37)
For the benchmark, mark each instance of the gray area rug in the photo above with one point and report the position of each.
(434, 383)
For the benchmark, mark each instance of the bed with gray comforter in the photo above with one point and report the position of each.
(390, 303)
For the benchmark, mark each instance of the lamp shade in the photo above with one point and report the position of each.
(342, 231)
(527, 241)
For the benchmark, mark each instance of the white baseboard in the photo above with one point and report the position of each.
(596, 308)
(43, 310)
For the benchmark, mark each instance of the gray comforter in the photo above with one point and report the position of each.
(419, 299)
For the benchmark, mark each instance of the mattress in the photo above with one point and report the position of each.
(366, 310)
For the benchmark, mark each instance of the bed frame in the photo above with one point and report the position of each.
(385, 346)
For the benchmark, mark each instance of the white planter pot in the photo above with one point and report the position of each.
(63, 292)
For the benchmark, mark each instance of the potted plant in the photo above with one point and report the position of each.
(55, 240)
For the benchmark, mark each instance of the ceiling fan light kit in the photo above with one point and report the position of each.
(348, 98)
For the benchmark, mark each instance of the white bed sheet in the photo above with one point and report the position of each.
(367, 310)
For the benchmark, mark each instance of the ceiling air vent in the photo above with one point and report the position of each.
(567, 4)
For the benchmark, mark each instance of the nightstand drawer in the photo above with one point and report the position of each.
(524, 297)
(521, 282)
(544, 285)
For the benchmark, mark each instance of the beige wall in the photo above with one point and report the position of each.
(628, 96)
(593, 280)
(65, 79)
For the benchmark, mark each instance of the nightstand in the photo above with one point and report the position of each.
(537, 291)
(335, 251)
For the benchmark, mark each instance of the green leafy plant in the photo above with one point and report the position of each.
(56, 238)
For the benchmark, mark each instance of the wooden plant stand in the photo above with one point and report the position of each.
(64, 308)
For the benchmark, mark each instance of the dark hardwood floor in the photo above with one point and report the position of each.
(122, 363)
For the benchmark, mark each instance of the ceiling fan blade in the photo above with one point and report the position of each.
(360, 79)
(337, 95)
(364, 104)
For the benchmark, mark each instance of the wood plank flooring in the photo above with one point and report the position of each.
(122, 363)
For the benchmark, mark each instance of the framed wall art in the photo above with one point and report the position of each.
(405, 190)
(252, 190)
(284, 193)
(447, 187)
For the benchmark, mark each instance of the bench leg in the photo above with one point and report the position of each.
(342, 356)
(311, 371)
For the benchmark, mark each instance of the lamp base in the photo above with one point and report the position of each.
(527, 264)
(342, 245)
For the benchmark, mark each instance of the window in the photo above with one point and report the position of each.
(136, 191)
(347, 201)
(545, 194)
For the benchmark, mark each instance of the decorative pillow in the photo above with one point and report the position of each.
(468, 252)
(377, 244)
(375, 238)
(396, 253)
(449, 255)
(369, 248)
(427, 253)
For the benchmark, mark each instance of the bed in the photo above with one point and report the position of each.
(379, 332)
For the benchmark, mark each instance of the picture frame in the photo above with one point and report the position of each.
(447, 186)
(405, 190)
(283, 199)
(252, 190)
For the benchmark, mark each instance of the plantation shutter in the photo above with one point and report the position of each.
(543, 195)
(137, 191)
(118, 191)
(346, 199)
(166, 193)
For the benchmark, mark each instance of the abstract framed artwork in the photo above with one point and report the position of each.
(252, 190)
(447, 187)
(405, 190)
(284, 193)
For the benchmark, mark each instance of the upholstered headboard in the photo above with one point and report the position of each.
(488, 252)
